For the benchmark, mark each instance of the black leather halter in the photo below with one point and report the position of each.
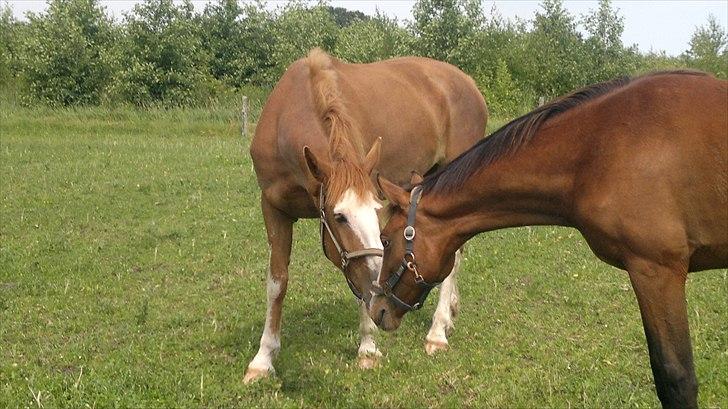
(408, 262)
(346, 256)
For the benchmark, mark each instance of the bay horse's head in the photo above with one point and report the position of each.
(348, 209)
(416, 257)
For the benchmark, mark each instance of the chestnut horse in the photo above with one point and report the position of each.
(309, 155)
(639, 166)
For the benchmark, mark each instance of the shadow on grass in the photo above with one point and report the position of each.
(319, 348)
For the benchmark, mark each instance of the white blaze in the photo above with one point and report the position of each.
(361, 214)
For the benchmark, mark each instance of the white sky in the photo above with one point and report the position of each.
(652, 25)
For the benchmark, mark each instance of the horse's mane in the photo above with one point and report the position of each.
(345, 151)
(519, 132)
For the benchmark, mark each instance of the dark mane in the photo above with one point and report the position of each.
(518, 133)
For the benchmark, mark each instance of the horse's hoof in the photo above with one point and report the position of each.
(368, 361)
(431, 347)
(253, 374)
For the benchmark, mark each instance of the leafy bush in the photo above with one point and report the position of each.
(607, 56)
(164, 60)
(239, 41)
(257, 64)
(65, 55)
(8, 43)
(708, 49)
(372, 40)
(505, 98)
(221, 33)
(297, 30)
(440, 25)
(166, 54)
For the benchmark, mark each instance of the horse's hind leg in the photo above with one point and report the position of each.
(447, 308)
(661, 297)
(280, 233)
(368, 355)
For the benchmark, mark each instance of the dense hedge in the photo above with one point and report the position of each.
(162, 53)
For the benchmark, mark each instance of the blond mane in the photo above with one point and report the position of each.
(345, 150)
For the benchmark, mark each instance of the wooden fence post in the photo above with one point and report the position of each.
(245, 117)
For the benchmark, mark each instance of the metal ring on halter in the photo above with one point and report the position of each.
(409, 233)
(408, 263)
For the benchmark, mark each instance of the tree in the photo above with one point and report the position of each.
(492, 56)
(66, 54)
(221, 32)
(258, 36)
(165, 60)
(8, 44)
(553, 65)
(297, 30)
(372, 40)
(608, 56)
(440, 26)
(344, 17)
(708, 48)
(503, 94)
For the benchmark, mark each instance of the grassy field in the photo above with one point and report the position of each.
(132, 266)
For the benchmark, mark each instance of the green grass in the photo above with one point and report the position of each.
(132, 266)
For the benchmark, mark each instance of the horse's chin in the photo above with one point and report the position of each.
(390, 322)
(384, 314)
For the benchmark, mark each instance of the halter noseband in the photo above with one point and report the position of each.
(408, 262)
(346, 256)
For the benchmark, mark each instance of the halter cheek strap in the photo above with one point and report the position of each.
(408, 262)
(346, 256)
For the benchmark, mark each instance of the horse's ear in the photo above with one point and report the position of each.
(416, 179)
(319, 169)
(395, 194)
(372, 158)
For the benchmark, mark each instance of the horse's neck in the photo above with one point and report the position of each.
(533, 186)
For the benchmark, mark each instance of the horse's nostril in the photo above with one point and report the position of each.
(381, 314)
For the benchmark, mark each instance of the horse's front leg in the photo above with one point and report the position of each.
(369, 355)
(280, 233)
(661, 296)
(447, 308)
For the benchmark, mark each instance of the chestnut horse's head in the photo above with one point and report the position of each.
(416, 257)
(348, 209)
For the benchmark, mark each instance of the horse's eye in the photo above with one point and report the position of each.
(339, 217)
(385, 241)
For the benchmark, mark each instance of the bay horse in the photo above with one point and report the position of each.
(639, 166)
(310, 158)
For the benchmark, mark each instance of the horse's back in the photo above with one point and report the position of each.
(426, 112)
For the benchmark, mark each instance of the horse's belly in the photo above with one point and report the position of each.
(709, 257)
